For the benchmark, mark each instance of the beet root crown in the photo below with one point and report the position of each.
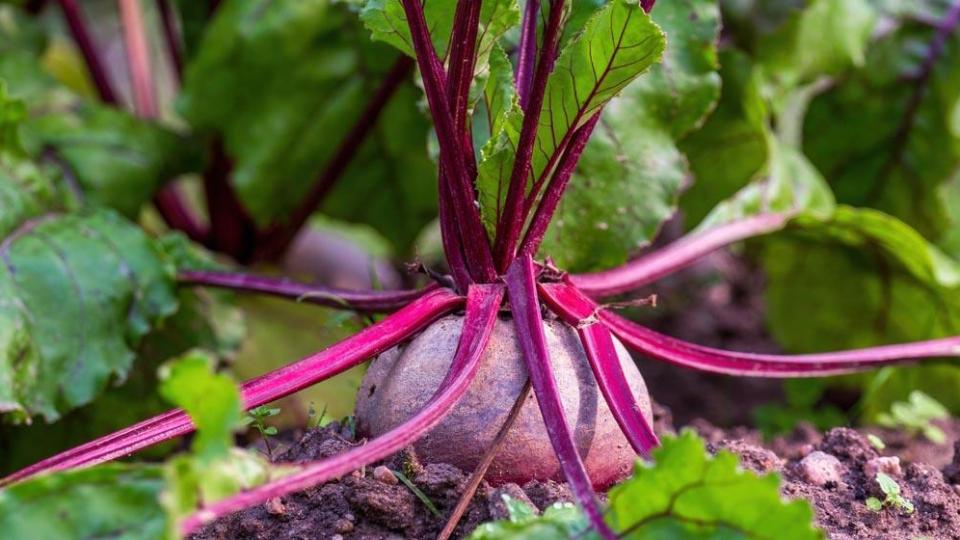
(485, 277)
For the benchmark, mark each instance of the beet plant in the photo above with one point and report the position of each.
(539, 115)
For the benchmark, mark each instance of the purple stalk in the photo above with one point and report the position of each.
(168, 199)
(579, 311)
(647, 5)
(282, 382)
(171, 37)
(177, 216)
(598, 344)
(682, 353)
(451, 237)
(91, 55)
(275, 241)
(362, 301)
(558, 185)
(511, 222)
(525, 308)
(138, 58)
(680, 254)
(483, 303)
(462, 58)
(232, 229)
(527, 52)
(476, 247)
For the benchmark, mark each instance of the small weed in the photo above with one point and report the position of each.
(420, 494)
(891, 489)
(256, 417)
(916, 416)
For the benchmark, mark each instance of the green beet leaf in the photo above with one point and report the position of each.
(886, 135)
(825, 38)
(689, 494)
(108, 501)
(731, 149)
(684, 493)
(864, 278)
(617, 44)
(387, 22)
(882, 281)
(282, 135)
(77, 293)
(211, 400)
(631, 172)
(559, 521)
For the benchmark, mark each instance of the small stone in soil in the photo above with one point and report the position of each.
(821, 469)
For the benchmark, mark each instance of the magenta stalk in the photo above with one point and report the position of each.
(461, 59)
(170, 37)
(475, 244)
(167, 200)
(91, 54)
(264, 389)
(527, 51)
(483, 303)
(676, 256)
(682, 353)
(525, 308)
(602, 354)
(511, 222)
(362, 301)
(138, 58)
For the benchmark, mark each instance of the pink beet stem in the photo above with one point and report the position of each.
(602, 354)
(680, 254)
(525, 307)
(686, 354)
(354, 300)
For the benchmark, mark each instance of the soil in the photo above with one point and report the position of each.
(835, 471)
(372, 503)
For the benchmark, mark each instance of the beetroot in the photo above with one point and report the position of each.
(401, 381)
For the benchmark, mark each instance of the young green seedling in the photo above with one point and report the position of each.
(916, 416)
(256, 417)
(894, 498)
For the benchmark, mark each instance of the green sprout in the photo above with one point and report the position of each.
(256, 417)
(916, 416)
(876, 442)
(891, 489)
(419, 493)
(318, 420)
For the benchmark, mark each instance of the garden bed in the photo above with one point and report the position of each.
(830, 470)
